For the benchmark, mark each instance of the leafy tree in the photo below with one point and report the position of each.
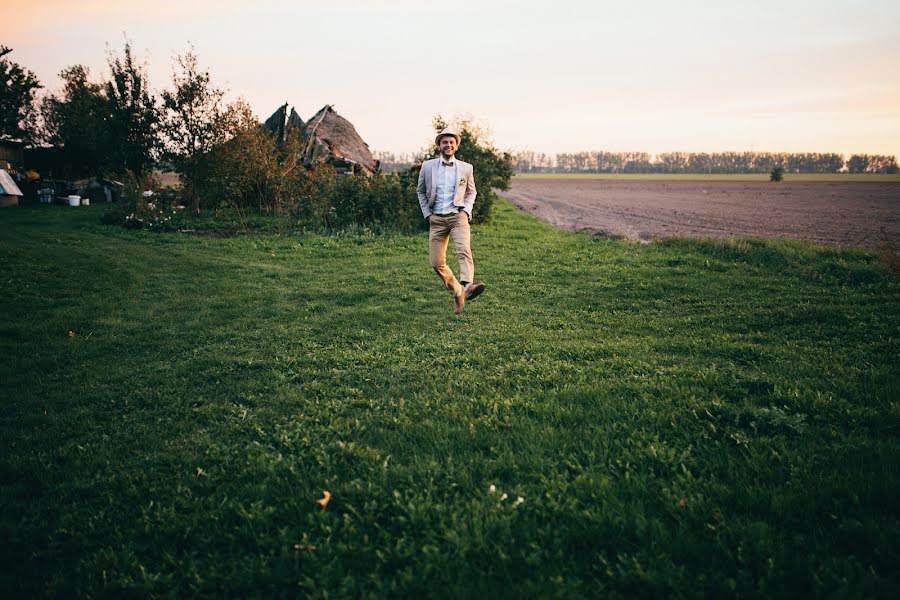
(672, 162)
(493, 169)
(76, 121)
(637, 162)
(872, 163)
(830, 163)
(134, 115)
(777, 174)
(858, 163)
(17, 99)
(193, 123)
(250, 170)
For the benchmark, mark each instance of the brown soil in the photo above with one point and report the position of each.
(847, 214)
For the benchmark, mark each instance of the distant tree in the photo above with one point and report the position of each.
(76, 121)
(672, 162)
(134, 115)
(763, 162)
(17, 99)
(881, 163)
(523, 161)
(637, 162)
(614, 162)
(582, 161)
(565, 162)
(858, 163)
(872, 163)
(493, 169)
(829, 163)
(777, 174)
(388, 162)
(192, 122)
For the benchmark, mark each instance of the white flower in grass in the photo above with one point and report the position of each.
(503, 497)
(518, 501)
(492, 489)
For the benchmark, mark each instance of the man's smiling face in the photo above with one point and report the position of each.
(448, 146)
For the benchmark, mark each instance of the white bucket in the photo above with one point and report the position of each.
(85, 201)
(74, 200)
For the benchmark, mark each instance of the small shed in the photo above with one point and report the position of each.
(9, 191)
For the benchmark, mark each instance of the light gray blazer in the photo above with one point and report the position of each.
(465, 186)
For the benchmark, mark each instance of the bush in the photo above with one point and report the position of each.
(135, 211)
(777, 174)
(252, 176)
(328, 202)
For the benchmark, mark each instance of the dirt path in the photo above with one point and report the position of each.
(843, 213)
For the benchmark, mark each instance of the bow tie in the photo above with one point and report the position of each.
(447, 164)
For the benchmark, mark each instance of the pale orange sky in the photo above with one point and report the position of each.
(553, 77)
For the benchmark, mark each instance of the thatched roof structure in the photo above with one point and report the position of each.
(281, 123)
(327, 137)
(333, 138)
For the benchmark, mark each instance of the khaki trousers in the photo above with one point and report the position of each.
(440, 230)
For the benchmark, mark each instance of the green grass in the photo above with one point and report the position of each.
(684, 418)
(789, 177)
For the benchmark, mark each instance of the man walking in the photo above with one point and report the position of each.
(446, 193)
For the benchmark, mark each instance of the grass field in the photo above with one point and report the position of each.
(794, 177)
(683, 418)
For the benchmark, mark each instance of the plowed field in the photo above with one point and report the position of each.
(840, 213)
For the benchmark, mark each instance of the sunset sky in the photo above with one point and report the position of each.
(550, 76)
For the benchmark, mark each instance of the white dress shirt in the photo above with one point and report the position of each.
(446, 188)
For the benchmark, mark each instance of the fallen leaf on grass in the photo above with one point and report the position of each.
(71, 333)
(325, 499)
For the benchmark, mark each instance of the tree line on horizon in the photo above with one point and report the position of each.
(599, 161)
(701, 162)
